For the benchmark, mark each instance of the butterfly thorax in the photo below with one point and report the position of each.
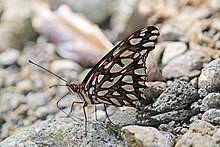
(74, 88)
(79, 90)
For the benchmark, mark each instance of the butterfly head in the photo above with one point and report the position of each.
(73, 88)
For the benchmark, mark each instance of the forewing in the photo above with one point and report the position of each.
(119, 77)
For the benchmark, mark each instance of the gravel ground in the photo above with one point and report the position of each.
(184, 82)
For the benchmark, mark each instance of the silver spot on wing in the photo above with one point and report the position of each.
(135, 41)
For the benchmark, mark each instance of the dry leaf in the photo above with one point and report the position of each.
(73, 34)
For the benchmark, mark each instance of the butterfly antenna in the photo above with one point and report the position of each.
(48, 71)
(56, 86)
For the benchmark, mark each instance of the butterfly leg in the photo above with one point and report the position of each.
(96, 118)
(108, 116)
(68, 114)
(71, 110)
(84, 111)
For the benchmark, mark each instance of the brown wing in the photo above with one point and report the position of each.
(119, 77)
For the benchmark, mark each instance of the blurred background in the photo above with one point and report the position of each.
(70, 36)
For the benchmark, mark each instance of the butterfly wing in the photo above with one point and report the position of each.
(119, 77)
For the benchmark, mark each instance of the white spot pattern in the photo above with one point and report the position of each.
(127, 61)
(127, 79)
(148, 44)
(100, 77)
(142, 34)
(140, 62)
(102, 93)
(94, 80)
(136, 55)
(108, 84)
(135, 41)
(141, 83)
(128, 87)
(140, 71)
(126, 53)
(115, 101)
(153, 38)
(143, 52)
(126, 102)
(116, 68)
(116, 93)
(91, 90)
(103, 101)
(155, 31)
(131, 96)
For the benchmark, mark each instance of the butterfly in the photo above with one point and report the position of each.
(119, 78)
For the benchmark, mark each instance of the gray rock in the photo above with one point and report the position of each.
(63, 132)
(178, 95)
(60, 65)
(172, 33)
(24, 86)
(171, 105)
(200, 133)
(154, 89)
(215, 24)
(212, 116)
(157, 119)
(218, 132)
(16, 28)
(9, 56)
(212, 100)
(96, 10)
(188, 64)
(124, 116)
(146, 136)
(172, 50)
(210, 77)
(202, 92)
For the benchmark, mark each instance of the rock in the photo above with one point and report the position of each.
(215, 4)
(60, 65)
(194, 82)
(157, 53)
(16, 28)
(9, 56)
(35, 100)
(188, 64)
(24, 86)
(44, 111)
(172, 33)
(172, 50)
(215, 24)
(200, 133)
(210, 77)
(202, 92)
(154, 89)
(97, 10)
(124, 116)
(125, 18)
(145, 136)
(166, 117)
(178, 95)
(212, 100)
(63, 132)
(212, 116)
(171, 105)
(153, 71)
